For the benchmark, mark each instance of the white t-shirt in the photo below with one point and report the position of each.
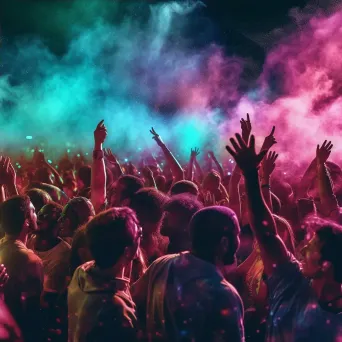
(56, 263)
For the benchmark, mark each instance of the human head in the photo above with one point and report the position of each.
(178, 211)
(77, 212)
(322, 255)
(17, 216)
(184, 186)
(215, 235)
(39, 198)
(123, 189)
(47, 220)
(148, 205)
(84, 177)
(69, 187)
(211, 182)
(161, 183)
(113, 237)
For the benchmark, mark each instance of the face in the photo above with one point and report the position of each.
(47, 221)
(64, 226)
(32, 218)
(311, 263)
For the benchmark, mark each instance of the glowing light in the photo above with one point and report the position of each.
(19, 166)
(86, 153)
(68, 150)
(229, 173)
(32, 151)
(49, 161)
(29, 137)
(126, 160)
(78, 155)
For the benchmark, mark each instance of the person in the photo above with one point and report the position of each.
(39, 198)
(53, 251)
(25, 269)
(298, 310)
(178, 211)
(185, 296)
(76, 213)
(100, 306)
(123, 189)
(83, 179)
(148, 204)
(184, 186)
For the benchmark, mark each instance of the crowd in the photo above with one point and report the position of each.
(159, 251)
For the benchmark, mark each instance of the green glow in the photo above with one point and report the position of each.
(29, 137)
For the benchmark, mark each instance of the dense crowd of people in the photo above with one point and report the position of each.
(158, 251)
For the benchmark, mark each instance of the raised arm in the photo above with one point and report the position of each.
(272, 248)
(198, 171)
(57, 176)
(176, 169)
(113, 161)
(306, 181)
(8, 178)
(216, 162)
(234, 194)
(98, 170)
(269, 141)
(194, 153)
(329, 204)
(267, 167)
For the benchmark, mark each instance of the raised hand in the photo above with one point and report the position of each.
(7, 172)
(156, 136)
(269, 141)
(246, 128)
(268, 163)
(3, 276)
(323, 152)
(244, 154)
(110, 156)
(100, 133)
(195, 152)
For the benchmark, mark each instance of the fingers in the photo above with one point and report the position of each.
(248, 120)
(100, 124)
(240, 140)
(231, 151)
(235, 145)
(252, 142)
(273, 130)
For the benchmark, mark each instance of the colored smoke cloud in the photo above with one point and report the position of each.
(126, 73)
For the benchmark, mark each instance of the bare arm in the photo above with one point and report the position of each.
(234, 195)
(176, 169)
(326, 193)
(199, 171)
(273, 250)
(8, 178)
(216, 162)
(268, 166)
(194, 153)
(98, 170)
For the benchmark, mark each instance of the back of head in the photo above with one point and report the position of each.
(208, 226)
(148, 204)
(212, 181)
(124, 188)
(183, 187)
(79, 210)
(13, 214)
(109, 233)
(39, 198)
(183, 204)
(84, 174)
(330, 235)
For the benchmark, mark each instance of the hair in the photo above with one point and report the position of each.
(148, 204)
(285, 231)
(84, 174)
(109, 233)
(131, 185)
(161, 182)
(78, 210)
(330, 234)
(276, 204)
(208, 226)
(184, 186)
(70, 183)
(39, 198)
(55, 207)
(13, 214)
(184, 204)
